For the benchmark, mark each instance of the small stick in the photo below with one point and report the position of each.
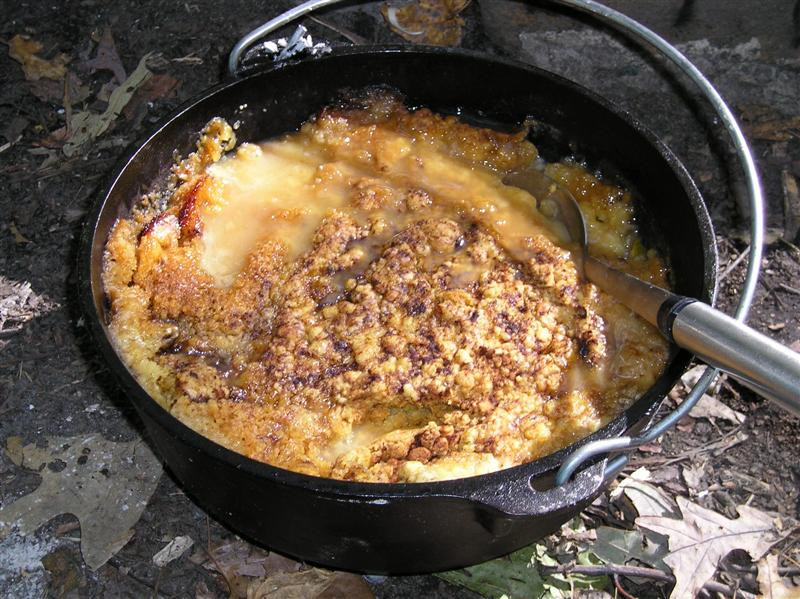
(734, 264)
(788, 289)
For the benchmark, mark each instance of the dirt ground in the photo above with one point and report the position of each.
(52, 382)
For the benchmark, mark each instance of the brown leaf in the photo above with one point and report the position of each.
(775, 130)
(19, 238)
(310, 584)
(107, 58)
(770, 583)
(24, 50)
(158, 87)
(347, 586)
(65, 571)
(239, 563)
(701, 538)
(14, 450)
(711, 408)
(434, 22)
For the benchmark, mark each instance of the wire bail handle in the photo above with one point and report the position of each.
(650, 39)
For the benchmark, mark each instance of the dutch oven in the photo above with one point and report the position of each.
(418, 527)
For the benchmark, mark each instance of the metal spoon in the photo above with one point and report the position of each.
(766, 366)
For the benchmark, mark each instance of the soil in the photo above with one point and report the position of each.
(52, 382)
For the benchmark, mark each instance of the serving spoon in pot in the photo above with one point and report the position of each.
(766, 366)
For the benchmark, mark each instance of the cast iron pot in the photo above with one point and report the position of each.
(424, 527)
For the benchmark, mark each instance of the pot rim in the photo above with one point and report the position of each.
(643, 408)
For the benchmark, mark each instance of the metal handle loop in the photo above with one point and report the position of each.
(649, 38)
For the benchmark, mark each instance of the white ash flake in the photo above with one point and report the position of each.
(21, 570)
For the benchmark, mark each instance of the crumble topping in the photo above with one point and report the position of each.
(365, 299)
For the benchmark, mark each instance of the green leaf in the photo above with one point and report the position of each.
(513, 575)
(616, 546)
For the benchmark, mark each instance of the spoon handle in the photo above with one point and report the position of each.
(766, 366)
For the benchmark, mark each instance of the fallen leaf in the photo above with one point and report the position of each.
(24, 50)
(711, 408)
(647, 499)
(434, 22)
(699, 538)
(775, 130)
(86, 126)
(107, 57)
(158, 87)
(19, 304)
(770, 583)
(65, 572)
(239, 563)
(347, 586)
(105, 484)
(19, 238)
(14, 450)
(308, 584)
(172, 551)
(617, 546)
(791, 206)
(513, 575)
(691, 376)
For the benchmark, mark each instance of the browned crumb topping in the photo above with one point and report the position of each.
(379, 307)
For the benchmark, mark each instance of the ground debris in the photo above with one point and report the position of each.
(19, 304)
(172, 550)
(434, 22)
(105, 484)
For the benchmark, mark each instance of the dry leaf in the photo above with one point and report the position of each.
(18, 236)
(310, 584)
(711, 408)
(107, 57)
(647, 499)
(770, 582)
(24, 50)
(172, 551)
(775, 130)
(86, 126)
(701, 537)
(239, 563)
(156, 88)
(434, 22)
(106, 485)
(14, 450)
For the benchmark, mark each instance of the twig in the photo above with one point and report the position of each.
(734, 264)
(621, 589)
(609, 569)
(615, 570)
(788, 289)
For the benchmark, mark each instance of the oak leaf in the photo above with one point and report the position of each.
(700, 538)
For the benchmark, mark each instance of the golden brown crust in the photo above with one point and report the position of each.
(408, 339)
